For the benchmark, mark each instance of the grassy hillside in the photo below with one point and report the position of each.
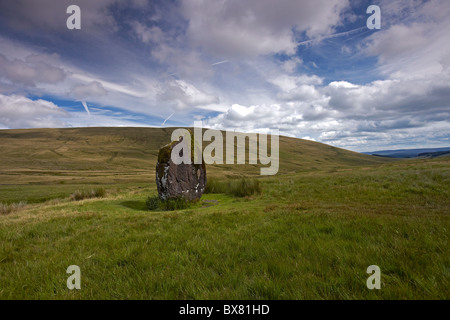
(67, 159)
(310, 234)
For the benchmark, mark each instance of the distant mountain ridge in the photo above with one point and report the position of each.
(411, 153)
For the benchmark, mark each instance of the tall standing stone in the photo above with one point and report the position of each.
(182, 180)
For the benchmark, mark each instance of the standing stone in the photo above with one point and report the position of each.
(182, 180)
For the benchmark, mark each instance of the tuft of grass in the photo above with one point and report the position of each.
(214, 185)
(156, 204)
(242, 187)
(12, 207)
(87, 194)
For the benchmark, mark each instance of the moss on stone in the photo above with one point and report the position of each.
(166, 151)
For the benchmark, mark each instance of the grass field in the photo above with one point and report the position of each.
(310, 234)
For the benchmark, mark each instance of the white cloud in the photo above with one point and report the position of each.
(20, 112)
(103, 118)
(148, 34)
(346, 50)
(257, 27)
(416, 46)
(29, 15)
(291, 64)
(181, 95)
(30, 71)
(287, 83)
(92, 89)
(397, 41)
(343, 114)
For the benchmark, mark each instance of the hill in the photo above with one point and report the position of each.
(411, 153)
(81, 156)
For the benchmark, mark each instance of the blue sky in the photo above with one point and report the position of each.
(311, 69)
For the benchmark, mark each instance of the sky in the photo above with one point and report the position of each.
(312, 69)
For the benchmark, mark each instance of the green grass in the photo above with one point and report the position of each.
(7, 208)
(156, 204)
(310, 234)
(87, 194)
(238, 187)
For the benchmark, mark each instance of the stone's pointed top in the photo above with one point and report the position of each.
(179, 181)
(166, 151)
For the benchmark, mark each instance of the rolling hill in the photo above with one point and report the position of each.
(412, 153)
(124, 154)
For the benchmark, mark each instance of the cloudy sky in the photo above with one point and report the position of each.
(311, 69)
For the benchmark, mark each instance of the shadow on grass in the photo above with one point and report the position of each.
(135, 205)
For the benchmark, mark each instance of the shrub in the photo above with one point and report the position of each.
(87, 194)
(155, 203)
(12, 207)
(242, 187)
